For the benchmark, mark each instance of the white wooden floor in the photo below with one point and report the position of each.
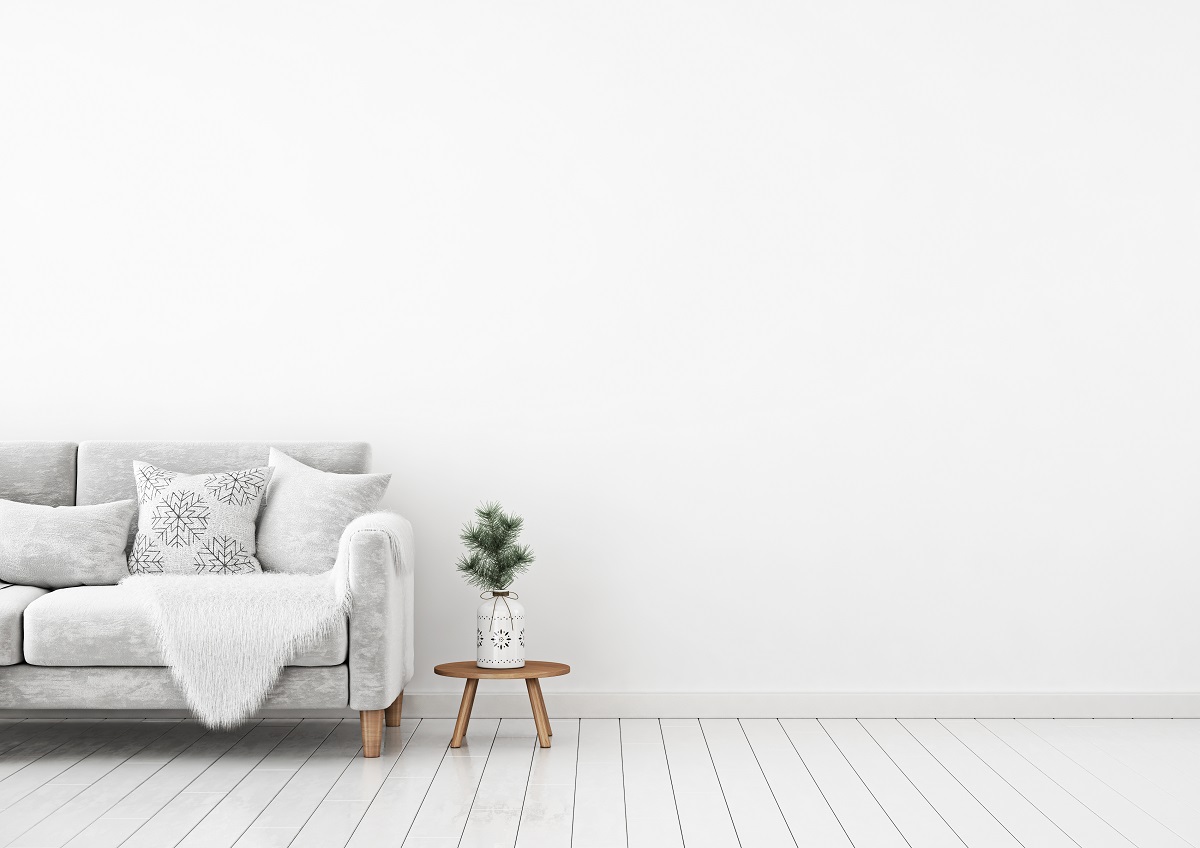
(606, 782)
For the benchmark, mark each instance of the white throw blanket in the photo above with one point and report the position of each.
(228, 638)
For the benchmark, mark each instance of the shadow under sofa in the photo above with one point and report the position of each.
(90, 648)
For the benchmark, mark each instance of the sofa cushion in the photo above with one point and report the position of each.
(13, 601)
(102, 625)
(39, 473)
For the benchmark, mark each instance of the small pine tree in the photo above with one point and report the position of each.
(494, 558)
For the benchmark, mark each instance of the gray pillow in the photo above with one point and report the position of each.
(196, 523)
(56, 547)
(306, 512)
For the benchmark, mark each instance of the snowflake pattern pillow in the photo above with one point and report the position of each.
(197, 523)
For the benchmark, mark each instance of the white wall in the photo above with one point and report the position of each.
(825, 347)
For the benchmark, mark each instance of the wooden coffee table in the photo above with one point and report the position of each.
(531, 673)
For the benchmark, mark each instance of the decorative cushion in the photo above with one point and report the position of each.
(55, 547)
(196, 523)
(306, 512)
(104, 466)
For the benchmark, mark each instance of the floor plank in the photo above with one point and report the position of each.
(98, 831)
(1127, 818)
(1022, 819)
(364, 776)
(800, 799)
(340, 813)
(1079, 823)
(1164, 758)
(175, 820)
(19, 732)
(331, 824)
(176, 775)
(447, 804)
(87, 738)
(229, 769)
(704, 816)
(651, 817)
(229, 819)
(94, 785)
(38, 746)
(75, 816)
(860, 814)
(391, 815)
(7, 724)
(297, 747)
(968, 818)
(496, 812)
(1184, 732)
(297, 801)
(268, 837)
(1072, 740)
(909, 810)
(599, 786)
(757, 818)
(547, 817)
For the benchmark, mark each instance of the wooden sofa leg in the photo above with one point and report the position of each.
(391, 715)
(372, 731)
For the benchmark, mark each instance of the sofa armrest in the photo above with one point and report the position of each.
(379, 548)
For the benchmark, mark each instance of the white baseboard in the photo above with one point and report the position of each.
(821, 705)
(766, 705)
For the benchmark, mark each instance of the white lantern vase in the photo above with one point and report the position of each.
(500, 631)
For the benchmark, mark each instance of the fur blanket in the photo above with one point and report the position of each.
(228, 638)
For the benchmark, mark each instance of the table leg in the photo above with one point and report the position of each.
(464, 712)
(540, 719)
(542, 703)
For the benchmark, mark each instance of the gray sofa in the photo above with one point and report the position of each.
(89, 648)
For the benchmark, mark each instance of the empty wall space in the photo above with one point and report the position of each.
(824, 349)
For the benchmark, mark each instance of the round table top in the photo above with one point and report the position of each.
(532, 668)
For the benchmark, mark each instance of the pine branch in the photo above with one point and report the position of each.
(495, 558)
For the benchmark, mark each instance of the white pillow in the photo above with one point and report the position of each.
(56, 547)
(197, 523)
(306, 512)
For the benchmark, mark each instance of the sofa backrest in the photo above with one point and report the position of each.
(38, 472)
(106, 468)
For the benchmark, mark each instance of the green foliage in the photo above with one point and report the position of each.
(493, 559)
